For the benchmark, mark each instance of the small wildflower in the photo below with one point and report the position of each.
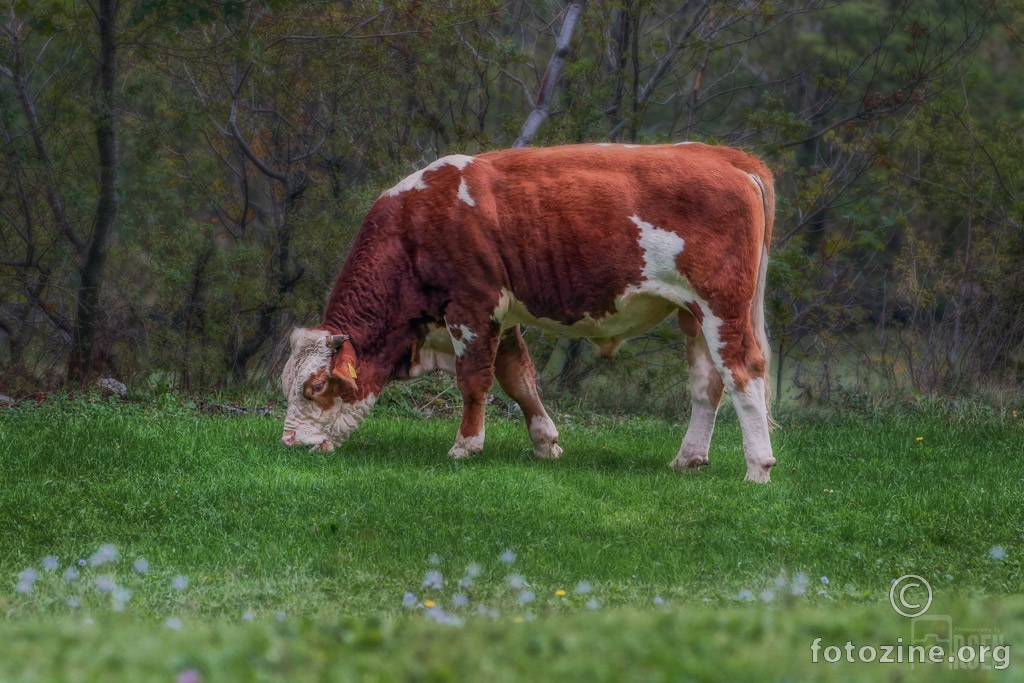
(50, 563)
(429, 603)
(473, 570)
(997, 552)
(508, 557)
(26, 580)
(593, 604)
(767, 596)
(174, 623)
(560, 593)
(460, 600)
(799, 585)
(920, 438)
(82, 563)
(141, 565)
(408, 601)
(824, 580)
(526, 596)
(189, 676)
(73, 602)
(659, 601)
(465, 583)
(440, 616)
(583, 587)
(121, 595)
(516, 582)
(180, 582)
(107, 554)
(822, 591)
(70, 574)
(105, 584)
(434, 580)
(248, 616)
(518, 619)
(280, 615)
(746, 595)
(434, 560)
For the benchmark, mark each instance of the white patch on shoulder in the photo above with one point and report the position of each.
(687, 142)
(464, 193)
(466, 336)
(416, 182)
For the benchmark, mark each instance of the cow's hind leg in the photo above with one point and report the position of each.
(516, 374)
(705, 395)
(475, 346)
(742, 366)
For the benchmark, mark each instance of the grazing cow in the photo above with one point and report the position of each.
(597, 241)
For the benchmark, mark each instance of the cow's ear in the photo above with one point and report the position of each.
(345, 366)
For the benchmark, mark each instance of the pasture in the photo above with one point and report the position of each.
(155, 541)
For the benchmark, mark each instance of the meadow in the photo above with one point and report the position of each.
(154, 540)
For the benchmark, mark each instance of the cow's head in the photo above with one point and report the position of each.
(321, 382)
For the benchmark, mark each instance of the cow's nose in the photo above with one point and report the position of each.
(288, 439)
(326, 446)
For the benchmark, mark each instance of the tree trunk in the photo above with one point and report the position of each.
(81, 364)
(539, 114)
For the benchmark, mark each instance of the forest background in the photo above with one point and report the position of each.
(181, 180)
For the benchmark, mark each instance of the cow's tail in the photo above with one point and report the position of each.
(757, 320)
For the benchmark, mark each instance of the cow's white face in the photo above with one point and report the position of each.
(320, 382)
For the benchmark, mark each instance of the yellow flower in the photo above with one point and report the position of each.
(429, 603)
(920, 438)
(559, 592)
(518, 620)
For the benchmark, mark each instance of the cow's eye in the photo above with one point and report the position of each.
(317, 388)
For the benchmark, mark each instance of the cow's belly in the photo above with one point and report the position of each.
(634, 314)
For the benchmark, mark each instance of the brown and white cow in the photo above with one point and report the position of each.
(596, 241)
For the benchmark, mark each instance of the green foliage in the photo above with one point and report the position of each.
(891, 128)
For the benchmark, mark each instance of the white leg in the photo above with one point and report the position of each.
(753, 414)
(705, 396)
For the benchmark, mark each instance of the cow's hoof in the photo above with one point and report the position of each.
(461, 452)
(688, 463)
(466, 446)
(548, 451)
(762, 474)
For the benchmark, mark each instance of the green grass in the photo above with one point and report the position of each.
(319, 550)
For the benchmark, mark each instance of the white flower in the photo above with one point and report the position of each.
(107, 554)
(141, 565)
(997, 552)
(508, 557)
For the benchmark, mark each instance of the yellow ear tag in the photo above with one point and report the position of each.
(352, 371)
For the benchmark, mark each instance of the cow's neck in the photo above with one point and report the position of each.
(369, 302)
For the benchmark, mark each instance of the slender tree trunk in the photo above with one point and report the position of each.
(81, 364)
(540, 111)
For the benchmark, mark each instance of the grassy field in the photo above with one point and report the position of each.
(148, 542)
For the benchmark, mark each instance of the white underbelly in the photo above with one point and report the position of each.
(634, 314)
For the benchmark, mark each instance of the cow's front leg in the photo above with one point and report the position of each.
(475, 348)
(518, 378)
